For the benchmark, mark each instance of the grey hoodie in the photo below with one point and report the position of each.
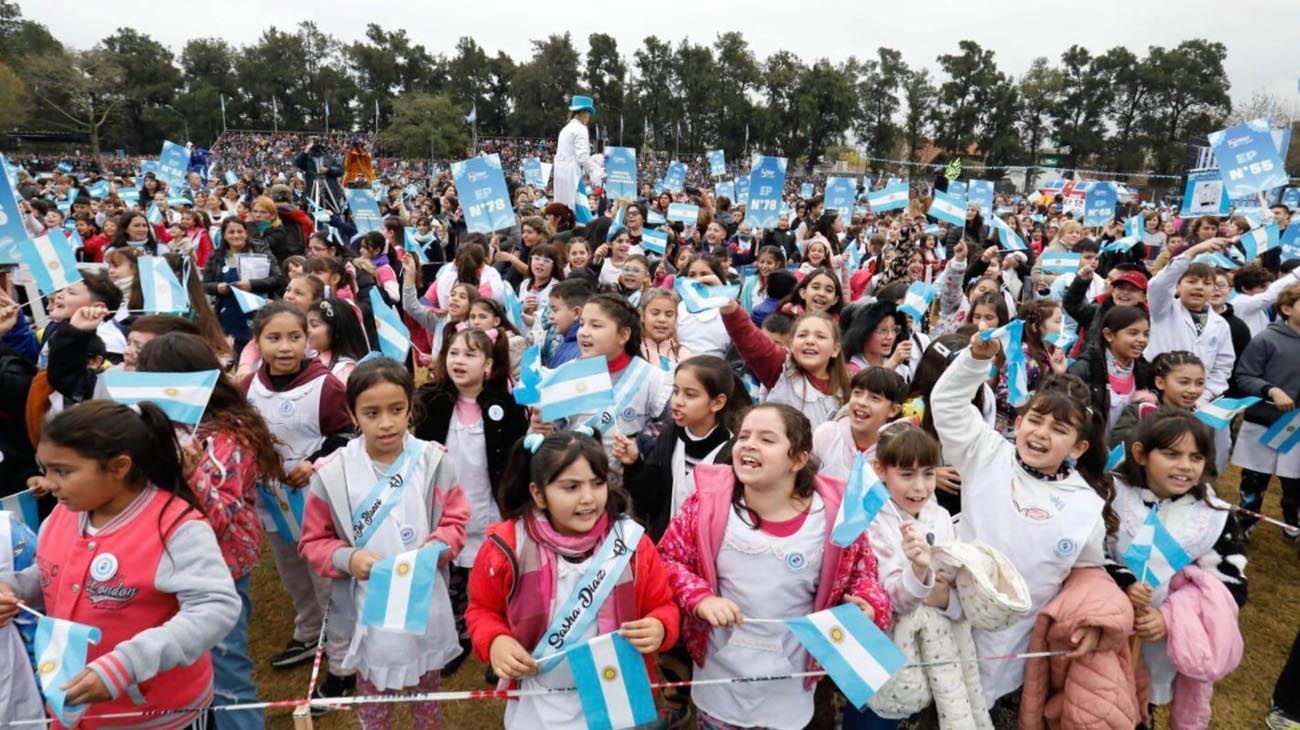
(1271, 360)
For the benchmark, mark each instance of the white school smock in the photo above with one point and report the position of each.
(1172, 328)
(645, 404)
(794, 390)
(1196, 526)
(835, 449)
(768, 577)
(1249, 453)
(684, 475)
(702, 333)
(467, 449)
(294, 417)
(559, 710)
(395, 659)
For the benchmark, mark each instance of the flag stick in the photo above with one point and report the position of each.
(31, 610)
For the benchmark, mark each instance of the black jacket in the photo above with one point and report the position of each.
(19, 463)
(273, 284)
(649, 481)
(504, 422)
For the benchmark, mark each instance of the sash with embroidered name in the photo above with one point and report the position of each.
(597, 582)
(381, 499)
(628, 387)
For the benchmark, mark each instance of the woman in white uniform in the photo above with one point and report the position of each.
(573, 153)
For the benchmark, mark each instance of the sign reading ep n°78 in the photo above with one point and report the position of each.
(483, 196)
(766, 186)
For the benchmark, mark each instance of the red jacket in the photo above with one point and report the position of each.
(493, 578)
(304, 221)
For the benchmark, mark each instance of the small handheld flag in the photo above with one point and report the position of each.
(286, 506)
(399, 591)
(577, 386)
(23, 507)
(1218, 260)
(61, 647)
(1258, 241)
(1121, 245)
(394, 337)
(950, 208)
(162, 292)
(892, 197)
(1063, 339)
(182, 396)
(1059, 263)
(655, 242)
(1154, 555)
(1011, 336)
(1115, 457)
(683, 213)
(917, 300)
(248, 301)
(857, 655)
(1222, 411)
(612, 683)
(514, 309)
(616, 225)
(51, 261)
(864, 496)
(527, 392)
(699, 298)
(1284, 434)
(1133, 227)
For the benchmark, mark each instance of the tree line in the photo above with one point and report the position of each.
(1112, 110)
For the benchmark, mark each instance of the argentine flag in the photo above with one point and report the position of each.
(1154, 555)
(1133, 227)
(1121, 244)
(182, 396)
(864, 496)
(61, 648)
(1218, 260)
(577, 386)
(655, 242)
(612, 683)
(248, 301)
(1011, 335)
(857, 655)
(684, 213)
(399, 591)
(950, 208)
(917, 300)
(1220, 413)
(527, 391)
(1284, 434)
(23, 507)
(581, 208)
(1011, 240)
(1059, 263)
(1063, 340)
(699, 298)
(394, 337)
(1258, 241)
(514, 309)
(616, 225)
(162, 292)
(1115, 457)
(51, 260)
(285, 505)
(892, 197)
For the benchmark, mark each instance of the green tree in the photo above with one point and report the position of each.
(962, 99)
(918, 92)
(738, 76)
(694, 90)
(149, 83)
(388, 63)
(826, 104)
(15, 102)
(779, 128)
(654, 67)
(425, 124)
(878, 86)
(542, 87)
(1040, 88)
(258, 69)
(207, 74)
(1079, 112)
(1130, 86)
(20, 38)
(605, 74)
(1189, 98)
(77, 88)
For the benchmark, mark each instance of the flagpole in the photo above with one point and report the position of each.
(223, 112)
(327, 117)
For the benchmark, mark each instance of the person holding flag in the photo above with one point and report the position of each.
(1168, 521)
(128, 552)
(573, 158)
(384, 494)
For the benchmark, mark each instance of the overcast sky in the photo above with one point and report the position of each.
(1262, 36)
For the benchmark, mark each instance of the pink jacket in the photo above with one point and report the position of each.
(1203, 643)
(691, 544)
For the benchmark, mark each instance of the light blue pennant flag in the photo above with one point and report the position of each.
(61, 647)
(612, 683)
(1222, 411)
(918, 299)
(1258, 241)
(577, 386)
(411, 191)
(162, 292)
(74, 238)
(98, 189)
(699, 298)
(248, 301)
(1011, 240)
(1121, 245)
(581, 206)
(514, 309)
(1216, 259)
(892, 197)
(1154, 555)
(399, 592)
(1115, 457)
(1011, 336)
(1059, 263)
(684, 213)
(51, 261)
(527, 392)
(864, 496)
(394, 337)
(23, 506)
(1063, 339)
(153, 215)
(286, 506)
(182, 396)
(1284, 434)
(655, 242)
(857, 655)
(410, 244)
(948, 207)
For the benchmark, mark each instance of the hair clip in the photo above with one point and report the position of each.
(533, 442)
(492, 334)
(585, 430)
(135, 407)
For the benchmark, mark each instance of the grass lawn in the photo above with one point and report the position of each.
(1269, 622)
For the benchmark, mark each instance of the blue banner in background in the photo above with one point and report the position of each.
(1248, 158)
(806, 190)
(365, 211)
(840, 192)
(11, 224)
(533, 172)
(620, 173)
(981, 193)
(725, 189)
(1205, 194)
(742, 190)
(717, 163)
(173, 163)
(483, 194)
(1291, 198)
(957, 188)
(675, 178)
(98, 189)
(1099, 207)
(766, 186)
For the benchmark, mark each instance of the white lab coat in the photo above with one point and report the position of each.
(573, 159)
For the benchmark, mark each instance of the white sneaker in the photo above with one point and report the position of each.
(1291, 532)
